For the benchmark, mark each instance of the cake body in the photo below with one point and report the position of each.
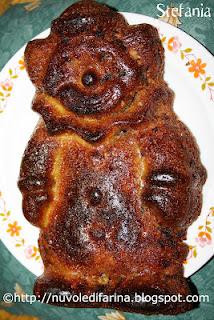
(111, 176)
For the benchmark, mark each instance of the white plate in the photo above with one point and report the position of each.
(193, 103)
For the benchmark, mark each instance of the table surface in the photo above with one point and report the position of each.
(17, 26)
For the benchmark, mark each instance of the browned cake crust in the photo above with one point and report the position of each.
(111, 176)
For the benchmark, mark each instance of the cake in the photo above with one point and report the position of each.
(111, 176)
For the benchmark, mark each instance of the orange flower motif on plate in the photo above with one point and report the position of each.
(204, 238)
(7, 85)
(174, 44)
(197, 67)
(31, 252)
(14, 229)
(21, 64)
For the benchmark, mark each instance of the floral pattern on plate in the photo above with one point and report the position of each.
(6, 86)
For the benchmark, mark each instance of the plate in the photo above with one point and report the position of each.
(189, 70)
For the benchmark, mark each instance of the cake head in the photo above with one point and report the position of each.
(93, 66)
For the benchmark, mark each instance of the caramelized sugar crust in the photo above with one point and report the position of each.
(111, 176)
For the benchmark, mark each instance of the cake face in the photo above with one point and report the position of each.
(91, 76)
(110, 176)
(94, 70)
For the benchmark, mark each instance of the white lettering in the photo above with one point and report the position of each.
(161, 7)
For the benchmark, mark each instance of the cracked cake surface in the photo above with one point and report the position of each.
(111, 176)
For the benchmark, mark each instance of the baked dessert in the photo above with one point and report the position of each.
(111, 176)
